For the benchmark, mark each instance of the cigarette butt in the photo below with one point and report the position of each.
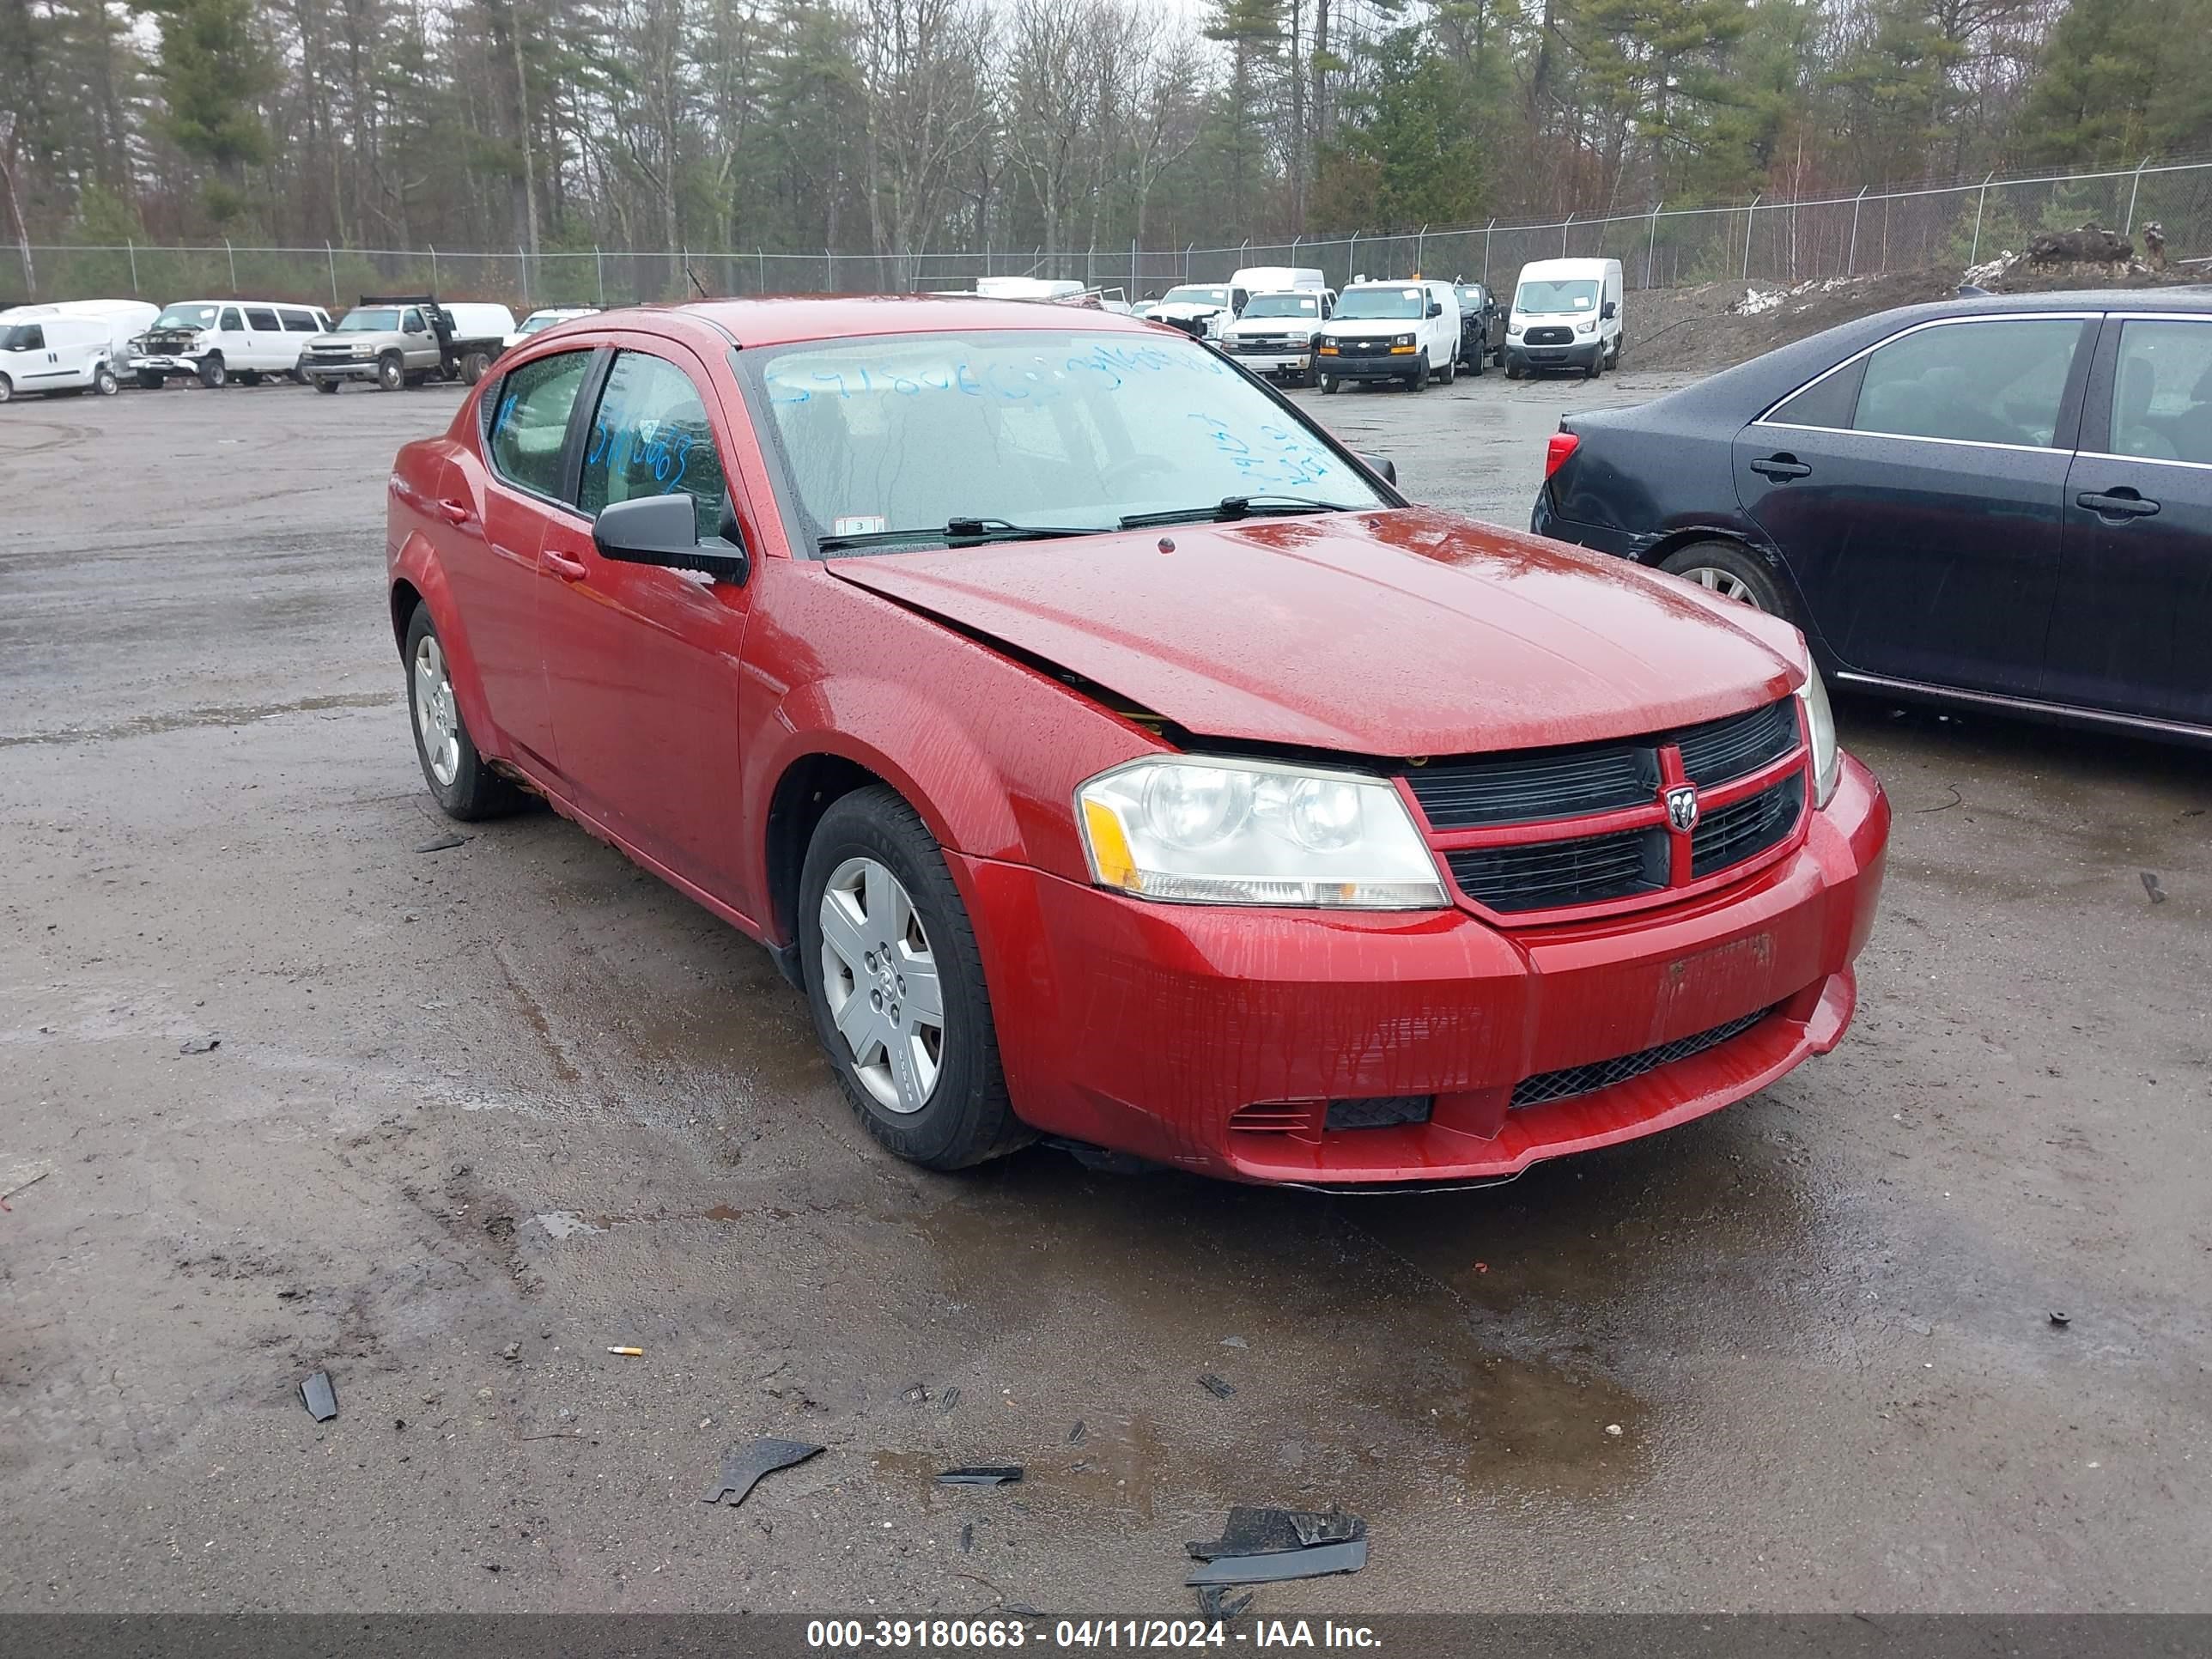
(634, 1353)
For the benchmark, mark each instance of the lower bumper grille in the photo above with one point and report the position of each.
(1587, 1079)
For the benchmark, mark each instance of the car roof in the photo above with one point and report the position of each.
(785, 321)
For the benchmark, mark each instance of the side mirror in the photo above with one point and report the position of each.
(663, 530)
(1383, 465)
(1608, 310)
(1436, 307)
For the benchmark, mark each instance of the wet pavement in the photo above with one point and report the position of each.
(478, 1114)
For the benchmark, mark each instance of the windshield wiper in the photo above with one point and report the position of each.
(1231, 507)
(966, 531)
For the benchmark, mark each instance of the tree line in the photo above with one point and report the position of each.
(891, 127)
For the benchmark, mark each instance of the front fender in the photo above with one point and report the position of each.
(416, 563)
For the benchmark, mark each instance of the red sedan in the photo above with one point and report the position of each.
(1108, 753)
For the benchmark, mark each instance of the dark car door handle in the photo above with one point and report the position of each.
(1778, 467)
(2120, 504)
(567, 566)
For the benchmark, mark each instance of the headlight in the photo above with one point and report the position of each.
(1216, 831)
(1587, 326)
(1827, 759)
(1401, 339)
(1513, 329)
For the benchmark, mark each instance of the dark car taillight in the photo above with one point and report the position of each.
(1561, 446)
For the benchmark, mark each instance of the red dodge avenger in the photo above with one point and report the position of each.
(1109, 754)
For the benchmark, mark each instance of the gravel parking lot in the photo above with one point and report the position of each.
(478, 1114)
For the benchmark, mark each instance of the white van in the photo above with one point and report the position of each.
(1405, 332)
(41, 351)
(1566, 314)
(217, 341)
(1279, 279)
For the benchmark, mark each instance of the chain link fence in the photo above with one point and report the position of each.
(1772, 242)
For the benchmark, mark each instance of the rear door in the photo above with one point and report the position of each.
(2135, 605)
(1914, 492)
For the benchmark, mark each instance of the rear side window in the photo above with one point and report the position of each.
(230, 320)
(298, 322)
(1828, 402)
(530, 425)
(2162, 393)
(264, 320)
(651, 437)
(1996, 382)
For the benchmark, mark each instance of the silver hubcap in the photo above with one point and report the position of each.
(1725, 583)
(437, 722)
(881, 980)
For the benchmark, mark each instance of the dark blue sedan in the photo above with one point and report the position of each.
(2003, 501)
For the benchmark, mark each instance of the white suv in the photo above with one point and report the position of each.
(214, 341)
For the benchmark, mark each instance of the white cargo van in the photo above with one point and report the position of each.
(1404, 331)
(43, 351)
(1566, 314)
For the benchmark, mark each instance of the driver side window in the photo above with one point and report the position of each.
(2000, 382)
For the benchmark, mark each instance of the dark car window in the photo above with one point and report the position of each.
(412, 323)
(264, 320)
(26, 336)
(530, 423)
(300, 322)
(1829, 402)
(1998, 382)
(2162, 392)
(651, 437)
(230, 322)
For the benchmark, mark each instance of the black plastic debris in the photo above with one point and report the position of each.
(1075, 1435)
(441, 843)
(199, 1045)
(2060, 1320)
(967, 1536)
(1216, 1387)
(1268, 1546)
(743, 1466)
(994, 1475)
(1214, 1601)
(319, 1396)
(2150, 885)
(948, 1400)
(1319, 1562)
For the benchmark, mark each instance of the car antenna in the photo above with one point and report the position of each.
(696, 284)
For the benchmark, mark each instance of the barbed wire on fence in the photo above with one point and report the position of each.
(1775, 241)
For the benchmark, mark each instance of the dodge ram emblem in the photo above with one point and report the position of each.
(1682, 807)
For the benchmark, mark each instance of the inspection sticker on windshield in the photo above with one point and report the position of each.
(860, 524)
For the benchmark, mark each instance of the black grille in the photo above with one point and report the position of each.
(1550, 336)
(1739, 745)
(1533, 785)
(1587, 1079)
(1364, 348)
(1544, 874)
(1731, 834)
(1385, 1113)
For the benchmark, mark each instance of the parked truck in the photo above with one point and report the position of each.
(408, 339)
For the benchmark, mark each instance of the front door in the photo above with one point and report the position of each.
(1915, 493)
(2136, 597)
(641, 662)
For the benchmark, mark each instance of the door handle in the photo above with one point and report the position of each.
(453, 512)
(567, 566)
(1778, 467)
(2118, 504)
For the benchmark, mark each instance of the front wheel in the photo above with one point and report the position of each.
(1420, 380)
(1613, 361)
(1734, 572)
(1513, 370)
(463, 785)
(895, 983)
(104, 383)
(6, 388)
(1328, 384)
(1311, 377)
(390, 372)
(212, 373)
(325, 383)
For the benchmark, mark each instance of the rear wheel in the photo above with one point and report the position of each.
(1449, 374)
(390, 372)
(895, 983)
(1734, 572)
(473, 366)
(104, 383)
(212, 373)
(463, 785)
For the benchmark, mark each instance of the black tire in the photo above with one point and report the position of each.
(1475, 366)
(249, 377)
(1311, 377)
(324, 383)
(1596, 366)
(1763, 591)
(473, 366)
(104, 383)
(968, 1117)
(1327, 385)
(1513, 370)
(1420, 380)
(475, 791)
(151, 382)
(1449, 374)
(213, 374)
(1613, 360)
(390, 372)
(7, 389)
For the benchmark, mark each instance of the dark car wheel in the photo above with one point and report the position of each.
(104, 383)
(1513, 370)
(896, 986)
(390, 372)
(327, 383)
(1420, 380)
(464, 786)
(474, 366)
(1732, 571)
(1328, 384)
(212, 373)
(249, 377)
(1475, 363)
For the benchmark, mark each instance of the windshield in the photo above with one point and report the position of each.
(382, 320)
(1283, 305)
(1470, 299)
(1381, 303)
(1578, 294)
(1073, 430)
(1197, 296)
(186, 317)
(537, 319)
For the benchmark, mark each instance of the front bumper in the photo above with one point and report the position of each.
(164, 364)
(1145, 1027)
(1276, 362)
(350, 368)
(1578, 355)
(1377, 367)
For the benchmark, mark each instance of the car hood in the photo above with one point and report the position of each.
(1399, 632)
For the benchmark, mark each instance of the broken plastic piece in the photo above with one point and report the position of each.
(1216, 1387)
(995, 1475)
(199, 1045)
(1253, 1531)
(1214, 1601)
(743, 1467)
(2150, 885)
(441, 843)
(318, 1395)
(1319, 1562)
